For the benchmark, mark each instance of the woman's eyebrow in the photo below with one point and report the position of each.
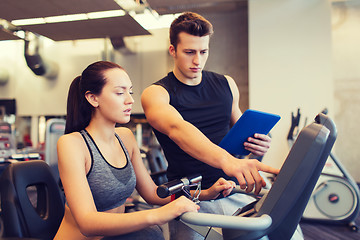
(124, 87)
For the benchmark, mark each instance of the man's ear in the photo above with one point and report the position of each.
(92, 99)
(172, 50)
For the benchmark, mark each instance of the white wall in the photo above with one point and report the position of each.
(289, 63)
(346, 66)
(149, 63)
(36, 95)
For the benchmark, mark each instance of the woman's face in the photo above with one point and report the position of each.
(115, 100)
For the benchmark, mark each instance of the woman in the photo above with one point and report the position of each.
(100, 165)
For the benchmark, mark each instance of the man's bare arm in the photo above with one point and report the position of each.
(166, 119)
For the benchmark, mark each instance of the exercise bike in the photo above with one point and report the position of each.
(335, 198)
(277, 213)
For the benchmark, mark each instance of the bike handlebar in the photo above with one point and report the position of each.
(172, 187)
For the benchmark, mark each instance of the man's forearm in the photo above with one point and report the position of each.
(192, 141)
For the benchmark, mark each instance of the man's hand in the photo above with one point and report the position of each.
(258, 145)
(246, 172)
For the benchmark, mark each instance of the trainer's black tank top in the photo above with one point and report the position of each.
(110, 186)
(208, 107)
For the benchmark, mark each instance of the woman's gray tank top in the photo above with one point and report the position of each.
(110, 186)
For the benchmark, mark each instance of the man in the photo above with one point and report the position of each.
(191, 110)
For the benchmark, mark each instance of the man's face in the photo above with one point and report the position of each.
(190, 56)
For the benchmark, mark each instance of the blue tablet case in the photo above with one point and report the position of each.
(251, 122)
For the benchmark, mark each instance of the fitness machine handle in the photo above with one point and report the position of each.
(172, 187)
(231, 222)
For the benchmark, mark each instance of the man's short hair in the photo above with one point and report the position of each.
(191, 23)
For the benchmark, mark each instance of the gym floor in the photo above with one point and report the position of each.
(319, 231)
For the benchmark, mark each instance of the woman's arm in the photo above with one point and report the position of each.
(146, 186)
(73, 154)
(144, 183)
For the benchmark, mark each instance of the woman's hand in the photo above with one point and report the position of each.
(175, 208)
(221, 186)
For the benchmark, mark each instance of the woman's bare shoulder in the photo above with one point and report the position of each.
(127, 136)
(72, 140)
(124, 131)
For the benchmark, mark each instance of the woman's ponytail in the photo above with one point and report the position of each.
(74, 118)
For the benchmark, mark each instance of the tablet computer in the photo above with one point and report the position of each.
(251, 122)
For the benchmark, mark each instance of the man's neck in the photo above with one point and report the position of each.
(187, 80)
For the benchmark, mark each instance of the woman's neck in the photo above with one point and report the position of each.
(101, 130)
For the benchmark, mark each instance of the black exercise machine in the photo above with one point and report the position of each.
(277, 214)
(24, 216)
(335, 199)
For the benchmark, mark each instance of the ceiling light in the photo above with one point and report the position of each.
(29, 21)
(106, 14)
(128, 5)
(66, 18)
(21, 34)
(149, 20)
(69, 18)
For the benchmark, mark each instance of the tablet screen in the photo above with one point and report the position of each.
(251, 122)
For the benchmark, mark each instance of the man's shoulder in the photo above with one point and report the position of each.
(211, 74)
(167, 78)
(166, 82)
(215, 77)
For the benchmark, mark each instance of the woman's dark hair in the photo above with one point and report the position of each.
(79, 110)
(191, 23)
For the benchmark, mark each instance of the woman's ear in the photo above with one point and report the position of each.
(92, 99)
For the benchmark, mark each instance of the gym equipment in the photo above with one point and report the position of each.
(157, 164)
(35, 61)
(4, 77)
(55, 128)
(7, 148)
(184, 185)
(21, 218)
(335, 199)
(7, 141)
(277, 214)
